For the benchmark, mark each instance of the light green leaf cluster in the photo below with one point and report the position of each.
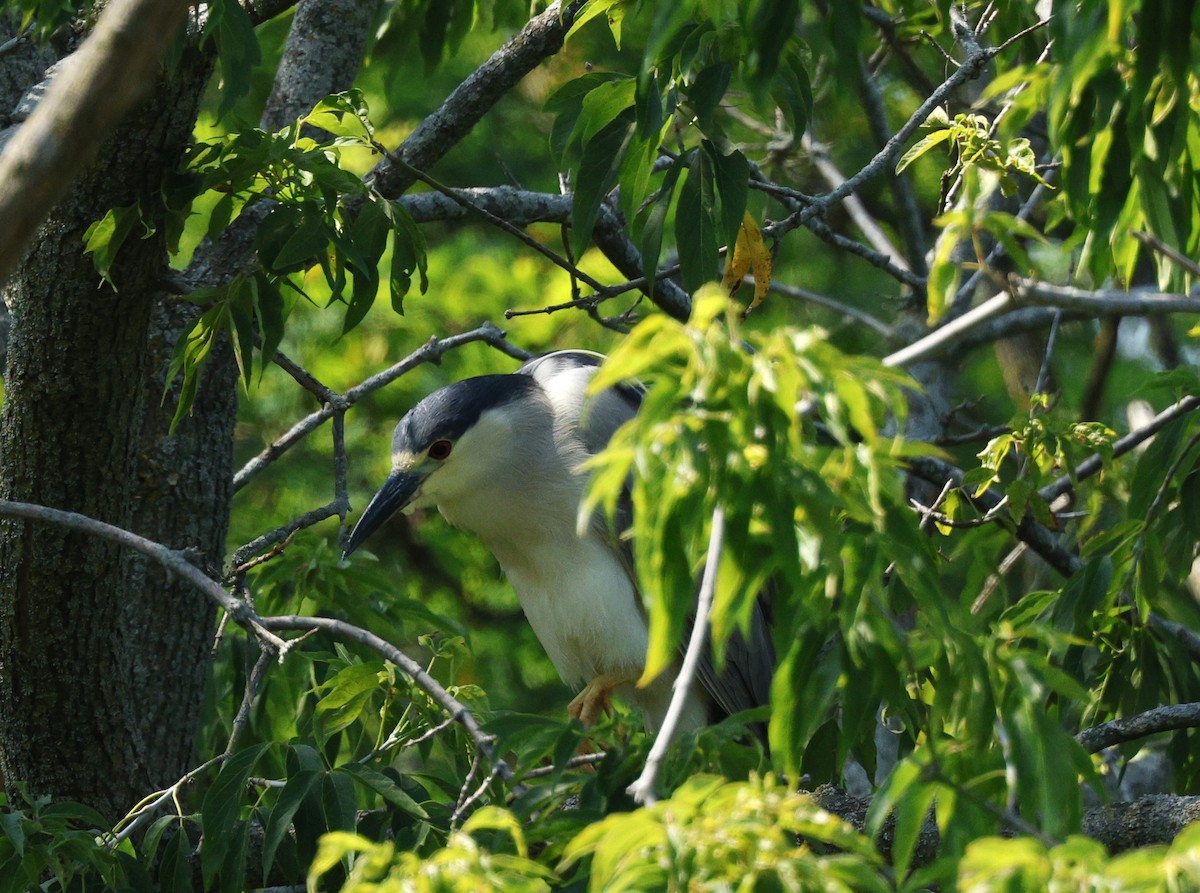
(713, 834)
(994, 864)
(461, 866)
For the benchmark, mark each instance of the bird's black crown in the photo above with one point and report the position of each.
(449, 412)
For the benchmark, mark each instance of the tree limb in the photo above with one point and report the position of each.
(176, 562)
(1132, 728)
(541, 38)
(1156, 819)
(91, 92)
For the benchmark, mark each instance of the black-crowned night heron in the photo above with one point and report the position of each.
(502, 457)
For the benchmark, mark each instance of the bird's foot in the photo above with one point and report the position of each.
(596, 698)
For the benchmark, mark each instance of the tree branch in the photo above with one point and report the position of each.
(1132, 728)
(541, 38)
(92, 91)
(1119, 826)
(1102, 302)
(245, 615)
(1094, 463)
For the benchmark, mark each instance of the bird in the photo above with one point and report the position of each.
(504, 457)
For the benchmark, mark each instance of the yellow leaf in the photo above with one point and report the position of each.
(750, 255)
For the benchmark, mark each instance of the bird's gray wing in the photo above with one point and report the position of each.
(744, 681)
(602, 413)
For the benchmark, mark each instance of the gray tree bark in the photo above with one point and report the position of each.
(99, 679)
(103, 659)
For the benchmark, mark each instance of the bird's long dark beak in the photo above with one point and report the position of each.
(397, 491)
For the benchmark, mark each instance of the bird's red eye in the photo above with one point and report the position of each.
(440, 449)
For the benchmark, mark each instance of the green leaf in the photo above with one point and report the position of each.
(294, 791)
(338, 801)
(384, 786)
(732, 174)
(706, 91)
(11, 823)
(652, 232)
(603, 105)
(922, 146)
(233, 866)
(345, 698)
(696, 224)
(175, 872)
(229, 26)
(104, 238)
(221, 807)
(597, 174)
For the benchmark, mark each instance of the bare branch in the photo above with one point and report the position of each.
(1189, 639)
(501, 223)
(812, 297)
(867, 224)
(1132, 728)
(520, 208)
(1154, 242)
(172, 560)
(885, 158)
(253, 683)
(337, 508)
(1102, 302)
(244, 614)
(940, 339)
(541, 38)
(642, 789)
(91, 92)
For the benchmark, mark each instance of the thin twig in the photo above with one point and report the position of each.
(253, 683)
(239, 562)
(858, 212)
(642, 790)
(1043, 379)
(465, 803)
(151, 803)
(516, 232)
(1154, 242)
(584, 759)
(812, 297)
(306, 379)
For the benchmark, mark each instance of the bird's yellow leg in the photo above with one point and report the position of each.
(596, 698)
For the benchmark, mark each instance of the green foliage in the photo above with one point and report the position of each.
(982, 680)
(53, 844)
(44, 17)
(320, 214)
(996, 864)
(611, 128)
(716, 835)
(461, 866)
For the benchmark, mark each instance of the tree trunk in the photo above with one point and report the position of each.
(101, 663)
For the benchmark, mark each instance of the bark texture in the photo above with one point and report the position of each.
(99, 679)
